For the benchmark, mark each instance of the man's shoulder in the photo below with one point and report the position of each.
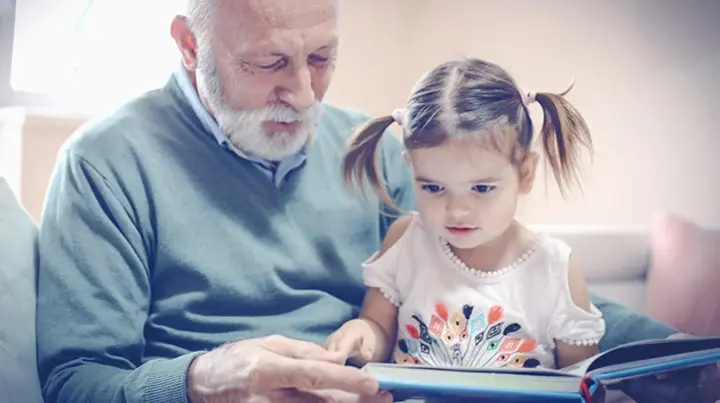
(127, 128)
(337, 116)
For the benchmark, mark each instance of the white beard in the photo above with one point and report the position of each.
(244, 128)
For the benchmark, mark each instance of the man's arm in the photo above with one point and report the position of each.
(94, 296)
(625, 326)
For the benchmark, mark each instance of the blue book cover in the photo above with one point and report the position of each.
(577, 383)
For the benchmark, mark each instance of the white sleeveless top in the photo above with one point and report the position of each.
(452, 316)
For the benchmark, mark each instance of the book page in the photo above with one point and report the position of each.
(655, 366)
(628, 354)
(659, 349)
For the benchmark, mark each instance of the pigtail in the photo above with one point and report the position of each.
(564, 133)
(360, 160)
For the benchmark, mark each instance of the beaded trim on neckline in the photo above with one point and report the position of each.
(458, 263)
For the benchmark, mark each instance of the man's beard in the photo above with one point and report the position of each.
(244, 128)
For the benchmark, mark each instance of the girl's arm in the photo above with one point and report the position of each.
(378, 313)
(568, 353)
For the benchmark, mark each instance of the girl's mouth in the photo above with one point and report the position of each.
(461, 230)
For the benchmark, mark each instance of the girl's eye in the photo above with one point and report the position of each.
(484, 188)
(432, 188)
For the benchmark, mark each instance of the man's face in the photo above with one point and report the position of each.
(263, 69)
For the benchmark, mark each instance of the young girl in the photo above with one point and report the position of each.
(459, 282)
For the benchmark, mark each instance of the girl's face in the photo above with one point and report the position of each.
(467, 193)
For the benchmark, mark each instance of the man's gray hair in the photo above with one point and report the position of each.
(200, 14)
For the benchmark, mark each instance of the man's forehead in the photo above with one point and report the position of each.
(282, 14)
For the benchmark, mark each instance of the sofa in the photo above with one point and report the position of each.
(18, 250)
(616, 261)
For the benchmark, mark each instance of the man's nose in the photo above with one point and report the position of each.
(298, 89)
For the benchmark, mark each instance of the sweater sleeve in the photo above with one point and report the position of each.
(626, 326)
(94, 296)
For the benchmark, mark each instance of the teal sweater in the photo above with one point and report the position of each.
(157, 243)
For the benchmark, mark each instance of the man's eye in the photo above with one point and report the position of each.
(316, 59)
(484, 188)
(280, 63)
(432, 188)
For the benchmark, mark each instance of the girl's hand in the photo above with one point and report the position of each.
(355, 340)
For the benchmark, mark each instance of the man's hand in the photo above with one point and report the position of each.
(697, 385)
(277, 369)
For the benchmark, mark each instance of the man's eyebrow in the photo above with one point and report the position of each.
(330, 45)
(333, 44)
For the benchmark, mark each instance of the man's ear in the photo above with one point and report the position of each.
(527, 171)
(185, 40)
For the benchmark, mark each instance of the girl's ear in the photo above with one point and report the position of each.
(527, 171)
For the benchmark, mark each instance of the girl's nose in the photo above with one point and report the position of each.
(458, 207)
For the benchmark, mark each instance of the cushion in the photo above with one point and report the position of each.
(18, 264)
(614, 259)
(606, 253)
(684, 275)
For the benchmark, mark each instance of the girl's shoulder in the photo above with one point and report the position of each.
(548, 258)
(402, 228)
(407, 235)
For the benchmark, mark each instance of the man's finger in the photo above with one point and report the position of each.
(644, 389)
(339, 396)
(710, 374)
(300, 349)
(709, 383)
(318, 375)
(294, 396)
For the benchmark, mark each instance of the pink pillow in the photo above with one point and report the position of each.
(684, 277)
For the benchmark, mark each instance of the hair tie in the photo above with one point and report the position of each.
(529, 98)
(399, 116)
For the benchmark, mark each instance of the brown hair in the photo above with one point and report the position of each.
(360, 160)
(469, 98)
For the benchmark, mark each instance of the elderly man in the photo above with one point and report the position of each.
(198, 244)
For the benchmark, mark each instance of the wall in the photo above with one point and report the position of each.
(645, 73)
(43, 137)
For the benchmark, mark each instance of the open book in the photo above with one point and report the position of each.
(577, 383)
